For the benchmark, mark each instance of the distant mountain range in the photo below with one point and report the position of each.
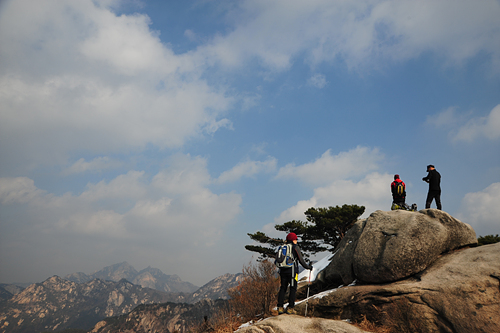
(147, 278)
(57, 303)
(161, 317)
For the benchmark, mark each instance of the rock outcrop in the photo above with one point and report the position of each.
(390, 246)
(296, 324)
(459, 293)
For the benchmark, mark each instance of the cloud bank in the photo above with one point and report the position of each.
(363, 34)
(132, 217)
(465, 127)
(84, 90)
(76, 77)
(481, 210)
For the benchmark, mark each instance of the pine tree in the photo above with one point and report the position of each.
(322, 231)
(488, 239)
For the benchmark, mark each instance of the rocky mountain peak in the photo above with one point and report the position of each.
(116, 272)
(57, 303)
(149, 277)
(217, 286)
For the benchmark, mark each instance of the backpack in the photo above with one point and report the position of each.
(284, 256)
(403, 206)
(400, 189)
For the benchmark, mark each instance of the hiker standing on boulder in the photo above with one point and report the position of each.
(289, 276)
(434, 180)
(398, 189)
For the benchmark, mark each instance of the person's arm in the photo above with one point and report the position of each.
(298, 253)
(428, 178)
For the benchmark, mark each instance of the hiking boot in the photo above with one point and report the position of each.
(291, 311)
(281, 310)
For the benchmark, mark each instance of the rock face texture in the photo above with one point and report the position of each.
(390, 246)
(296, 324)
(458, 293)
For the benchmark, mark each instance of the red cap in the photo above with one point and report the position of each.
(291, 237)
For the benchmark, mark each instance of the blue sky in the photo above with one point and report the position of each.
(162, 132)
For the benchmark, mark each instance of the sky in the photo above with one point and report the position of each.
(162, 132)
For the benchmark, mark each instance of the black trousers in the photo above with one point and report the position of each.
(286, 280)
(435, 194)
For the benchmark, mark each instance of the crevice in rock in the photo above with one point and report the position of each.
(496, 277)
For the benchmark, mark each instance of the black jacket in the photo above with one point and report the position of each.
(434, 180)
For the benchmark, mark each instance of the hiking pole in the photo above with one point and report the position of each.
(307, 297)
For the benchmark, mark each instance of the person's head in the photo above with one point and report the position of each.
(291, 237)
(430, 167)
(396, 177)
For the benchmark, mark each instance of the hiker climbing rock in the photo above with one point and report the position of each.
(287, 260)
(434, 180)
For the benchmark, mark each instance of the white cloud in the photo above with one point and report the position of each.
(446, 118)
(18, 190)
(172, 218)
(318, 81)
(74, 76)
(486, 127)
(372, 192)
(184, 175)
(104, 223)
(464, 127)
(328, 168)
(481, 210)
(213, 126)
(248, 169)
(362, 33)
(132, 185)
(96, 165)
(127, 45)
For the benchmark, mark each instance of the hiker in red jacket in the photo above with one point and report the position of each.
(398, 189)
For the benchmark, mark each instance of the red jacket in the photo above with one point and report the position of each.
(394, 189)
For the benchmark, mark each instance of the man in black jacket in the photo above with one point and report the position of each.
(434, 180)
(289, 276)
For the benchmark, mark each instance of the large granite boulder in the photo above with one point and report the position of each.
(296, 324)
(458, 293)
(390, 246)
